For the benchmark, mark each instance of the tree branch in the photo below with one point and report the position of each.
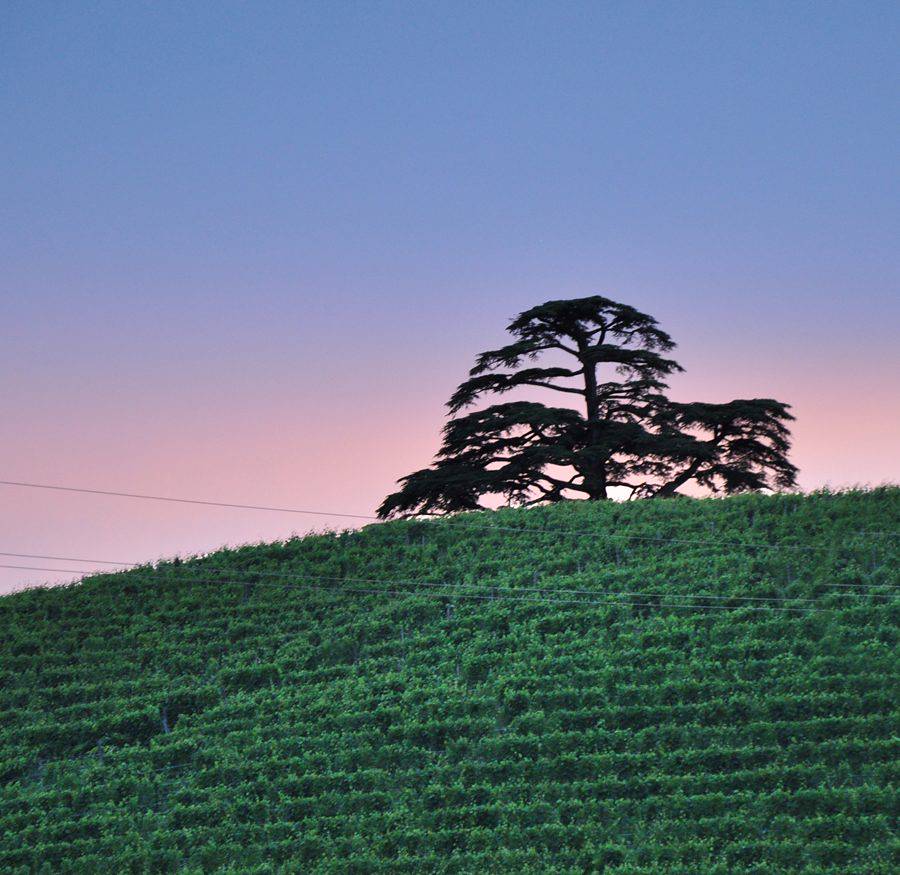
(551, 386)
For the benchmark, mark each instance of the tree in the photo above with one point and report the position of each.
(611, 359)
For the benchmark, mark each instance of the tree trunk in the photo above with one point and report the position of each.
(595, 475)
(597, 492)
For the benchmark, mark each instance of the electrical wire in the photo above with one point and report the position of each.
(420, 582)
(448, 590)
(71, 559)
(454, 521)
(229, 570)
(358, 516)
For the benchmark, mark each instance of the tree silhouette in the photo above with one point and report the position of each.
(612, 359)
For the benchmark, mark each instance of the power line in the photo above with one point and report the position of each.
(544, 591)
(55, 570)
(451, 521)
(189, 565)
(658, 539)
(447, 592)
(71, 559)
(358, 516)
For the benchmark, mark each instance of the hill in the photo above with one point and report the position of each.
(682, 686)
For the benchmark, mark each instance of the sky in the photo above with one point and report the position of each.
(250, 249)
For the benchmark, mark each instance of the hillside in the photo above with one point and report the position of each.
(682, 686)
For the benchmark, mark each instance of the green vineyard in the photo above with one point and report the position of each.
(683, 686)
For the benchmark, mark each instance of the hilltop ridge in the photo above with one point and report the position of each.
(684, 685)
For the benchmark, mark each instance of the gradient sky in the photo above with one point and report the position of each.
(249, 249)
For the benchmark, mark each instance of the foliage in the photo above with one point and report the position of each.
(696, 685)
(630, 435)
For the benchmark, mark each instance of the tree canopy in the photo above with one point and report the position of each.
(612, 361)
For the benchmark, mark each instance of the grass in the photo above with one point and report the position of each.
(679, 686)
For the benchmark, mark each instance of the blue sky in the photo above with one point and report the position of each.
(246, 243)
